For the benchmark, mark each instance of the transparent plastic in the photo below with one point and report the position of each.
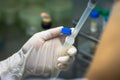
(70, 39)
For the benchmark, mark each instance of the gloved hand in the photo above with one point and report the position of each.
(41, 54)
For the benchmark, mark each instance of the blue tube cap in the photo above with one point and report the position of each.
(94, 14)
(66, 31)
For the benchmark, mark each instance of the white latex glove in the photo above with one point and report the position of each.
(41, 54)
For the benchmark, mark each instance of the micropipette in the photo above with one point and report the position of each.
(69, 41)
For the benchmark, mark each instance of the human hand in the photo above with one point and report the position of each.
(40, 55)
(45, 54)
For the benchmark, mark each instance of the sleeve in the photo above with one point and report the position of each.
(13, 67)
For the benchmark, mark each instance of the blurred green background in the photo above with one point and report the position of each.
(17, 17)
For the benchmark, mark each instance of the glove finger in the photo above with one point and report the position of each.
(63, 66)
(49, 34)
(72, 51)
(66, 59)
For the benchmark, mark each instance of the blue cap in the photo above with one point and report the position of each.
(66, 31)
(94, 14)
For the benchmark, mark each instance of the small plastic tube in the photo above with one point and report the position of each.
(94, 28)
(94, 22)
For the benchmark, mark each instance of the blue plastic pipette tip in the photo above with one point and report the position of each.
(66, 31)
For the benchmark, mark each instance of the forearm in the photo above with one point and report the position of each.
(105, 65)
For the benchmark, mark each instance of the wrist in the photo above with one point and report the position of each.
(12, 67)
(3, 67)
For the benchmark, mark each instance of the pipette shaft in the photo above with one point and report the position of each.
(70, 39)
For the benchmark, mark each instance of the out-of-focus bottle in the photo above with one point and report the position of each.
(94, 22)
(94, 28)
(46, 20)
(105, 15)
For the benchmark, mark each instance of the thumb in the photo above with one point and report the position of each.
(51, 33)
